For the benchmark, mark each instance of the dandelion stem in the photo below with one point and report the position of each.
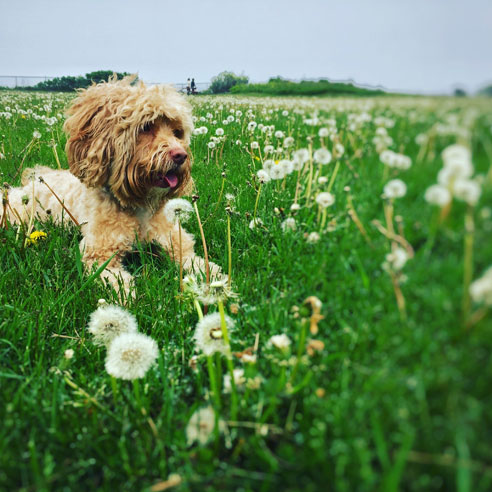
(205, 252)
(56, 155)
(136, 392)
(468, 262)
(434, 225)
(31, 217)
(300, 349)
(323, 219)
(334, 175)
(310, 181)
(213, 383)
(229, 250)
(230, 367)
(257, 200)
(181, 288)
(198, 308)
(60, 201)
(400, 300)
(218, 201)
(298, 184)
(114, 389)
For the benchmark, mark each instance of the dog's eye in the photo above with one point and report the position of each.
(178, 133)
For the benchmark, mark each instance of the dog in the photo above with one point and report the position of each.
(128, 154)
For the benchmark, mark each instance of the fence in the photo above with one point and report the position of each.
(13, 81)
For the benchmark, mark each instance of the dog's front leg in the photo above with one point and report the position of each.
(102, 244)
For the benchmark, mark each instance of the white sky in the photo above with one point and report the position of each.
(410, 45)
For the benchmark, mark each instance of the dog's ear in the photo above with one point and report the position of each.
(89, 145)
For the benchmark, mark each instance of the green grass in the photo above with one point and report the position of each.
(390, 403)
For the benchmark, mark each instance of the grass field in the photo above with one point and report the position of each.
(385, 384)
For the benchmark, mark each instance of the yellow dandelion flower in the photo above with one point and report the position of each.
(35, 236)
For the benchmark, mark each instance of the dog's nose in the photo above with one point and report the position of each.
(178, 156)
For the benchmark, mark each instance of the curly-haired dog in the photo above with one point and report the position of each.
(128, 154)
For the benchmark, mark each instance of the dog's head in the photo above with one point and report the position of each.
(131, 139)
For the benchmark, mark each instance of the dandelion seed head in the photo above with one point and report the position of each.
(481, 289)
(178, 209)
(313, 238)
(201, 426)
(289, 224)
(208, 334)
(437, 195)
(239, 380)
(467, 190)
(322, 156)
(263, 176)
(395, 188)
(281, 342)
(325, 199)
(131, 355)
(109, 321)
(397, 259)
(256, 222)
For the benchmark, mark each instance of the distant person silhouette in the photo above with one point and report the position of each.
(193, 86)
(188, 87)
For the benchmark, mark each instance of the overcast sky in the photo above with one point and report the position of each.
(411, 45)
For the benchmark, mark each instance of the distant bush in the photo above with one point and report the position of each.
(225, 81)
(69, 83)
(281, 87)
(486, 91)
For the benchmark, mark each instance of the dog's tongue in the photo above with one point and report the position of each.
(169, 180)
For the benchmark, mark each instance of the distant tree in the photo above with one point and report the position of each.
(459, 92)
(486, 91)
(104, 75)
(225, 80)
(69, 83)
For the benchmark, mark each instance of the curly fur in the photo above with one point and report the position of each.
(121, 149)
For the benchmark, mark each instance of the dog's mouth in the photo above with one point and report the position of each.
(169, 180)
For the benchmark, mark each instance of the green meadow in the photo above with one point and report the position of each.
(382, 378)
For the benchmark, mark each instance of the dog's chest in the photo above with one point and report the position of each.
(143, 216)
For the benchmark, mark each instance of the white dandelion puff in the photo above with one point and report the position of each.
(467, 190)
(481, 289)
(289, 224)
(397, 259)
(254, 223)
(313, 238)
(239, 380)
(208, 334)
(276, 172)
(325, 199)
(322, 156)
(263, 176)
(109, 321)
(281, 342)
(178, 209)
(395, 188)
(201, 425)
(131, 355)
(437, 195)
